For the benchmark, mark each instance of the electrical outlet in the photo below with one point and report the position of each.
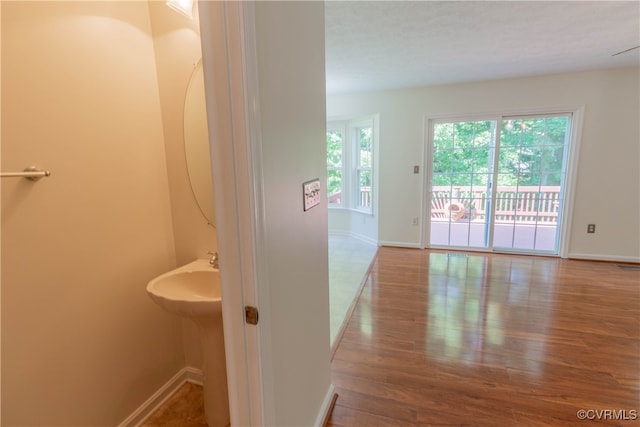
(591, 228)
(414, 220)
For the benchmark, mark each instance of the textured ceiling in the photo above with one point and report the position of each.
(375, 45)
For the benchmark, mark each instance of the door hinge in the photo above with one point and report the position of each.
(251, 315)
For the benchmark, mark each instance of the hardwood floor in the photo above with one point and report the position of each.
(490, 340)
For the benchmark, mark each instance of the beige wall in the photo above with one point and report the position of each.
(608, 174)
(176, 40)
(82, 343)
(177, 51)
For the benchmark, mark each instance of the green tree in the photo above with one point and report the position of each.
(365, 156)
(461, 153)
(334, 162)
(531, 152)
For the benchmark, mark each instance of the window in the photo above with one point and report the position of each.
(363, 145)
(350, 164)
(335, 147)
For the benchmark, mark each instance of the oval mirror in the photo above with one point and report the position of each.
(196, 144)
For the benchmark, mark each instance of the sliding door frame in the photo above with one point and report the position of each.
(565, 223)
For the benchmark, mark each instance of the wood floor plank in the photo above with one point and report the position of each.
(388, 408)
(488, 339)
(343, 416)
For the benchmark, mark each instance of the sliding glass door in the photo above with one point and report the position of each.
(461, 176)
(498, 184)
(530, 178)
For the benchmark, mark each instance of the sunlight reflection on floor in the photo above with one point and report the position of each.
(349, 259)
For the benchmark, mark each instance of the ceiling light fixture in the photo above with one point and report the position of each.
(184, 7)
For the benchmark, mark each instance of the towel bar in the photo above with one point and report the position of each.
(31, 173)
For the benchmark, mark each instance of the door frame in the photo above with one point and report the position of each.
(565, 224)
(231, 91)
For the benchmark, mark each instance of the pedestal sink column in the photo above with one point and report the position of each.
(214, 368)
(193, 291)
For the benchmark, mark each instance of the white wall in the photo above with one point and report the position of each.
(290, 47)
(346, 222)
(608, 181)
(82, 343)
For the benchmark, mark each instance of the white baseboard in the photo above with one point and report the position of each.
(598, 257)
(143, 412)
(401, 244)
(327, 404)
(365, 239)
(193, 375)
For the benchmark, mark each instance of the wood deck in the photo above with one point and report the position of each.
(488, 340)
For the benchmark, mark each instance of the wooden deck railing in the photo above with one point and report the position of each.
(529, 204)
(365, 197)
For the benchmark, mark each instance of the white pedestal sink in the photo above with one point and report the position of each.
(193, 291)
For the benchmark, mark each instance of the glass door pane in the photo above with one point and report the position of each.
(461, 173)
(530, 174)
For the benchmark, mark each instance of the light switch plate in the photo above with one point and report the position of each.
(311, 193)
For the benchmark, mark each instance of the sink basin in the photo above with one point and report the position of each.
(192, 290)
